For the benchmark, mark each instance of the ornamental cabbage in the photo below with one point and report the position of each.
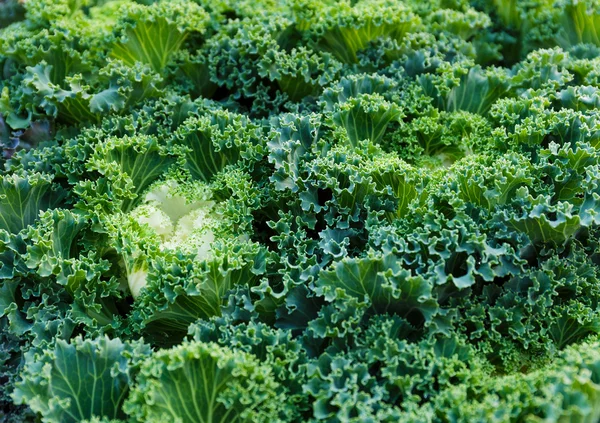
(299, 211)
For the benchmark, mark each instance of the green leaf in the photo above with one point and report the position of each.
(131, 164)
(294, 139)
(181, 291)
(197, 382)
(366, 117)
(152, 34)
(578, 22)
(54, 241)
(75, 381)
(472, 89)
(394, 174)
(380, 282)
(107, 100)
(214, 141)
(359, 105)
(71, 105)
(23, 198)
(344, 29)
(547, 223)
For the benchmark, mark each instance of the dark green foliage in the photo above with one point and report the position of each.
(354, 211)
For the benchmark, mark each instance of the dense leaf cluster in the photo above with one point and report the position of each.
(299, 211)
